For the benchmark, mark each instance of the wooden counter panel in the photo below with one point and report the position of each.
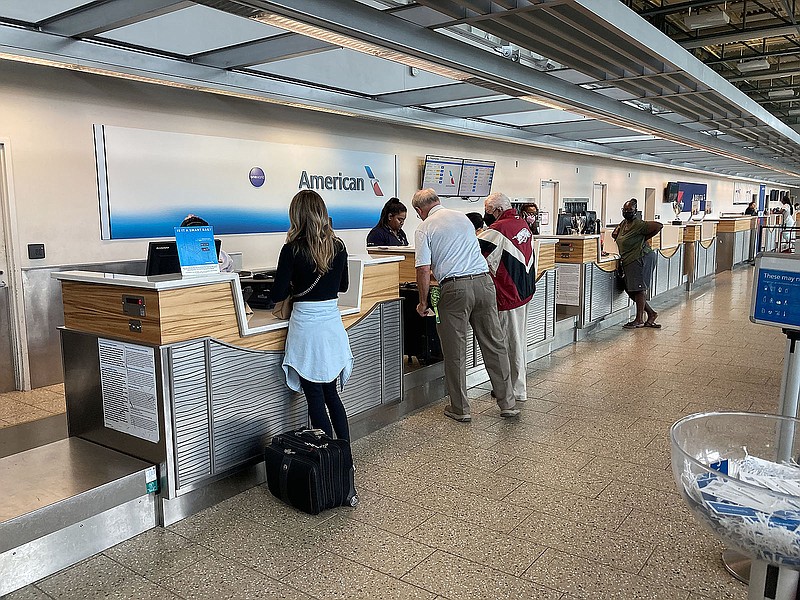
(655, 241)
(546, 258)
(380, 283)
(576, 251)
(608, 265)
(407, 270)
(732, 225)
(669, 252)
(98, 309)
(196, 312)
(691, 233)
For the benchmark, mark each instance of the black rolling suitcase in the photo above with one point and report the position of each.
(310, 471)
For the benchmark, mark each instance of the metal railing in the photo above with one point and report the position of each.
(775, 238)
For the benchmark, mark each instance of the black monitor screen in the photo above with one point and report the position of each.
(671, 192)
(162, 257)
(564, 225)
(591, 222)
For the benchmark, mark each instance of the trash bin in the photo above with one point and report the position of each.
(738, 474)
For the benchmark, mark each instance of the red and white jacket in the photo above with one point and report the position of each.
(508, 248)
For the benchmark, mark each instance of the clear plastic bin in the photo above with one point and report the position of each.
(738, 474)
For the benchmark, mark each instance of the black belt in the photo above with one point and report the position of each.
(456, 277)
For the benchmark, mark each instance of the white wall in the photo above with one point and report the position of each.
(47, 114)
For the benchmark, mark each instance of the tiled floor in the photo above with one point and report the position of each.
(574, 500)
(22, 407)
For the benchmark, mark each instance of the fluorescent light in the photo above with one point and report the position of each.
(794, 112)
(714, 18)
(757, 64)
(780, 94)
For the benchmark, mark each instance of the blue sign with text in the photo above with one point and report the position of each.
(777, 298)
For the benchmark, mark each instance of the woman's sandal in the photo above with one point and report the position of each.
(652, 324)
(633, 325)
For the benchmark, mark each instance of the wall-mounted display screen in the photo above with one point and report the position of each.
(443, 174)
(476, 178)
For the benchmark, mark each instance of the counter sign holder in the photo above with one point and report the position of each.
(775, 302)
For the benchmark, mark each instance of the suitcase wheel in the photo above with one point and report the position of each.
(354, 501)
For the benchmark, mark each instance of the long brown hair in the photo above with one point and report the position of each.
(310, 229)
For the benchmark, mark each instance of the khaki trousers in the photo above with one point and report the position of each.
(512, 322)
(472, 302)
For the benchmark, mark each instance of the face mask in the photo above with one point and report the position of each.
(488, 219)
(530, 219)
(628, 215)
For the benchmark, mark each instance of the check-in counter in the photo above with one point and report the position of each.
(407, 271)
(700, 250)
(735, 241)
(591, 289)
(172, 371)
(541, 315)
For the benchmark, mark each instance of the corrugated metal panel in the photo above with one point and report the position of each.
(190, 408)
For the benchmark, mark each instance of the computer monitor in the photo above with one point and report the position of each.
(162, 257)
(564, 224)
(591, 222)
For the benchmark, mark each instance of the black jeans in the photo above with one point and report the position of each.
(320, 395)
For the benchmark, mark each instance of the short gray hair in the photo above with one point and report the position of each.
(498, 200)
(424, 198)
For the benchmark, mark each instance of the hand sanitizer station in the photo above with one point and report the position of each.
(738, 472)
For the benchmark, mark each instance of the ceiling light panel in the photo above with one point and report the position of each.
(757, 64)
(714, 18)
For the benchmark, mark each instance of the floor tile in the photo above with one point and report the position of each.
(586, 578)
(331, 577)
(214, 579)
(367, 545)
(100, 577)
(457, 578)
(157, 553)
(477, 544)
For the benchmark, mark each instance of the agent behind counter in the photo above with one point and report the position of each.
(389, 230)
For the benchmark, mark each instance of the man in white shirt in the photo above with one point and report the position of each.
(446, 244)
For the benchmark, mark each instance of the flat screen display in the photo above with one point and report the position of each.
(476, 178)
(443, 174)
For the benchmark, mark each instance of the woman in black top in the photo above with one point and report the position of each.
(389, 230)
(317, 355)
(751, 209)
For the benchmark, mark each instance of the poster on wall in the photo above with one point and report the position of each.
(149, 181)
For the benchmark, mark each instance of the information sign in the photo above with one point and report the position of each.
(476, 178)
(196, 250)
(776, 290)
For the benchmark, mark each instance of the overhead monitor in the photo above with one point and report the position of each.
(443, 174)
(476, 178)
(671, 192)
(162, 257)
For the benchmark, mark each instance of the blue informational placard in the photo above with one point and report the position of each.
(196, 250)
(776, 291)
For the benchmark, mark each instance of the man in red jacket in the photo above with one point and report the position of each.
(508, 248)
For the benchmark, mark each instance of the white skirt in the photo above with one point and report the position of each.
(317, 347)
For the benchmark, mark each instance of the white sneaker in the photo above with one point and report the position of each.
(510, 412)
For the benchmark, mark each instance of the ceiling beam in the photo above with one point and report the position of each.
(99, 17)
(279, 47)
